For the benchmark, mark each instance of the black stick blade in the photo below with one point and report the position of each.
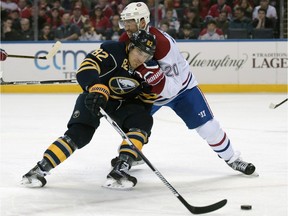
(203, 209)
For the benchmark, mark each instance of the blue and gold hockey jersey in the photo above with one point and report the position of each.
(109, 65)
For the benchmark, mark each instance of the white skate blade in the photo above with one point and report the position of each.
(118, 185)
(32, 183)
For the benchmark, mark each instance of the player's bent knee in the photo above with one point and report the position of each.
(80, 134)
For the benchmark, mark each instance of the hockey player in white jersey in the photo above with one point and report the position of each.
(178, 88)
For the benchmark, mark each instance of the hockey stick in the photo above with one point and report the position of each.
(2, 82)
(192, 209)
(50, 54)
(273, 106)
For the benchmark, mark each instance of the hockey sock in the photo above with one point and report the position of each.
(138, 138)
(216, 138)
(222, 147)
(59, 151)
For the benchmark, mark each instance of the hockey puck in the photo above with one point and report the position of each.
(246, 207)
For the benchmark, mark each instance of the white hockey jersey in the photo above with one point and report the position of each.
(178, 76)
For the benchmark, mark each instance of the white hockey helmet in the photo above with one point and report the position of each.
(136, 11)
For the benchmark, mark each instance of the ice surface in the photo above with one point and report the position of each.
(30, 123)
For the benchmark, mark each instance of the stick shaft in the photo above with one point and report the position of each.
(50, 54)
(24, 56)
(192, 209)
(281, 103)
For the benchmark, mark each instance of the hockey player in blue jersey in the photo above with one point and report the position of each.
(107, 77)
(178, 89)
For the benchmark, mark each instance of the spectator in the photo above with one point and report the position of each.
(164, 26)
(100, 22)
(15, 16)
(174, 24)
(88, 33)
(106, 9)
(211, 32)
(192, 18)
(77, 18)
(84, 9)
(270, 10)
(247, 7)
(216, 9)
(169, 5)
(240, 21)
(151, 6)
(46, 33)
(187, 33)
(26, 33)
(262, 21)
(54, 19)
(44, 4)
(7, 31)
(57, 4)
(202, 7)
(222, 22)
(114, 32)
(67, 31)
(42, 16)
(24, 9)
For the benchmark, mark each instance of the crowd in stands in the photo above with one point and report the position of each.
(93, 20)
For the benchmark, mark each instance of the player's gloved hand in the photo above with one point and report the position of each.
(97, 97)
(3, 55)
(150, 72)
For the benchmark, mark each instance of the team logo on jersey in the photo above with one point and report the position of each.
(123, 85)
(76, 114)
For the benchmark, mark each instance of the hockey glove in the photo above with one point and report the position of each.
(152, 74)
(97, 97)
(3, 55)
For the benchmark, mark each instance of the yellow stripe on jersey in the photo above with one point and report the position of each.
(89, 63)
(148, 98)
(87, 68)
(116, 97)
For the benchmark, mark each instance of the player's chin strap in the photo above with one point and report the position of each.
(192, 209)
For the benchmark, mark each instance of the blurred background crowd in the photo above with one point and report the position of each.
(97, 20)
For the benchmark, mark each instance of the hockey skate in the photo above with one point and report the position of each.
(119, 178)
(34, 178)
(238, 164)
(136, 162)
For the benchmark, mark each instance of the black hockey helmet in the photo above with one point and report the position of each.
(145, 41)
